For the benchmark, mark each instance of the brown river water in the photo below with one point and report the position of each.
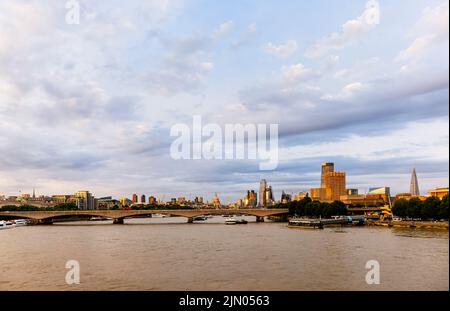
(169, 254)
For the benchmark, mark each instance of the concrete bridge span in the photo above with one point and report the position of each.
(118, 216)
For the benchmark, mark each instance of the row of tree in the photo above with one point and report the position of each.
(431, 208)
(73, 206)
(26, 208)
(149, 207)
(310, 208)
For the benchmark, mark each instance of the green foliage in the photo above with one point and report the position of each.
(28, 208)
(307, 207)
(431, 208)
(150, 207)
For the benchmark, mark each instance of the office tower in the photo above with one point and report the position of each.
(285, 198)
(239, 203)
(335, 182)
(198, 200)
(269, 196)
(327, 167)
(152, 200)
(414, 186)
(262, 193)
(135, 198)
(143, 199)
(216, 201)
(84, 200)
(251, 199)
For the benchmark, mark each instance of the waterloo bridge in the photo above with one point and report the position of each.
(118, 216)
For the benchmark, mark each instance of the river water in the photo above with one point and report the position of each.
(169, 254)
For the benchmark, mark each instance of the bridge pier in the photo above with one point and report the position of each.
(190, 220)
(259, 218)
(118, 221)
(45, 222)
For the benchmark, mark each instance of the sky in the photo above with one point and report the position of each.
(90, 105)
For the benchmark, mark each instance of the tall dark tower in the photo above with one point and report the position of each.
(414, 186)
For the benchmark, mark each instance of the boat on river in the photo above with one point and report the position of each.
(234, 221)
(20, 222)
(305, 223)
(6, 224)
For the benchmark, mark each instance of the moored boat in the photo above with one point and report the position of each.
(234, 221)
(305, 223)
(20, 222)
(230, 221)
(6, 224)
(200, 218)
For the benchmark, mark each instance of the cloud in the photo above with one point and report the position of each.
(91, 105)
(297, 73)
(352, 31)
(432, 29)
(223, 30)
(248, 37)
(284, 50)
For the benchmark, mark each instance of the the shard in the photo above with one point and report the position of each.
(414, 186)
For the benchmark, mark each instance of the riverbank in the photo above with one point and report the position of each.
(442, 225)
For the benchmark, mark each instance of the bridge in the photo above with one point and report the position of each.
(118, 216)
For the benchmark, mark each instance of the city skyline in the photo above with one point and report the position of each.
(331, 190)
(90, 106)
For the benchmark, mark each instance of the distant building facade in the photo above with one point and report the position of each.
(438, 192)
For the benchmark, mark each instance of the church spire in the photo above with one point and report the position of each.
(414, 186)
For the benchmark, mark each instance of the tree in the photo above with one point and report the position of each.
(415, 208)
(400, 208)
(443, 210)
(431, 208)
(339, 208)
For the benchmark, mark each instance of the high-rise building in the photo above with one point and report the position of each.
(84, 200)
(414, 186)
(250, 200)
(332, 184)
(143, 199)
(216, 201)
(285, 197)
(198, 200)
(335, 181)
(135, 198)
(239, 203)
(319, 194)
(269, 196)
(152, 200)
(327, 167)
(262, 193)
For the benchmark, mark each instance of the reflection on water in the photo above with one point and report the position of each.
(421, 233)
(168, 254)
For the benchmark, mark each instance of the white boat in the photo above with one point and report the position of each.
(6, 224)
(234, 221)
(160, 215)
(230, 221)
(20, 222)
